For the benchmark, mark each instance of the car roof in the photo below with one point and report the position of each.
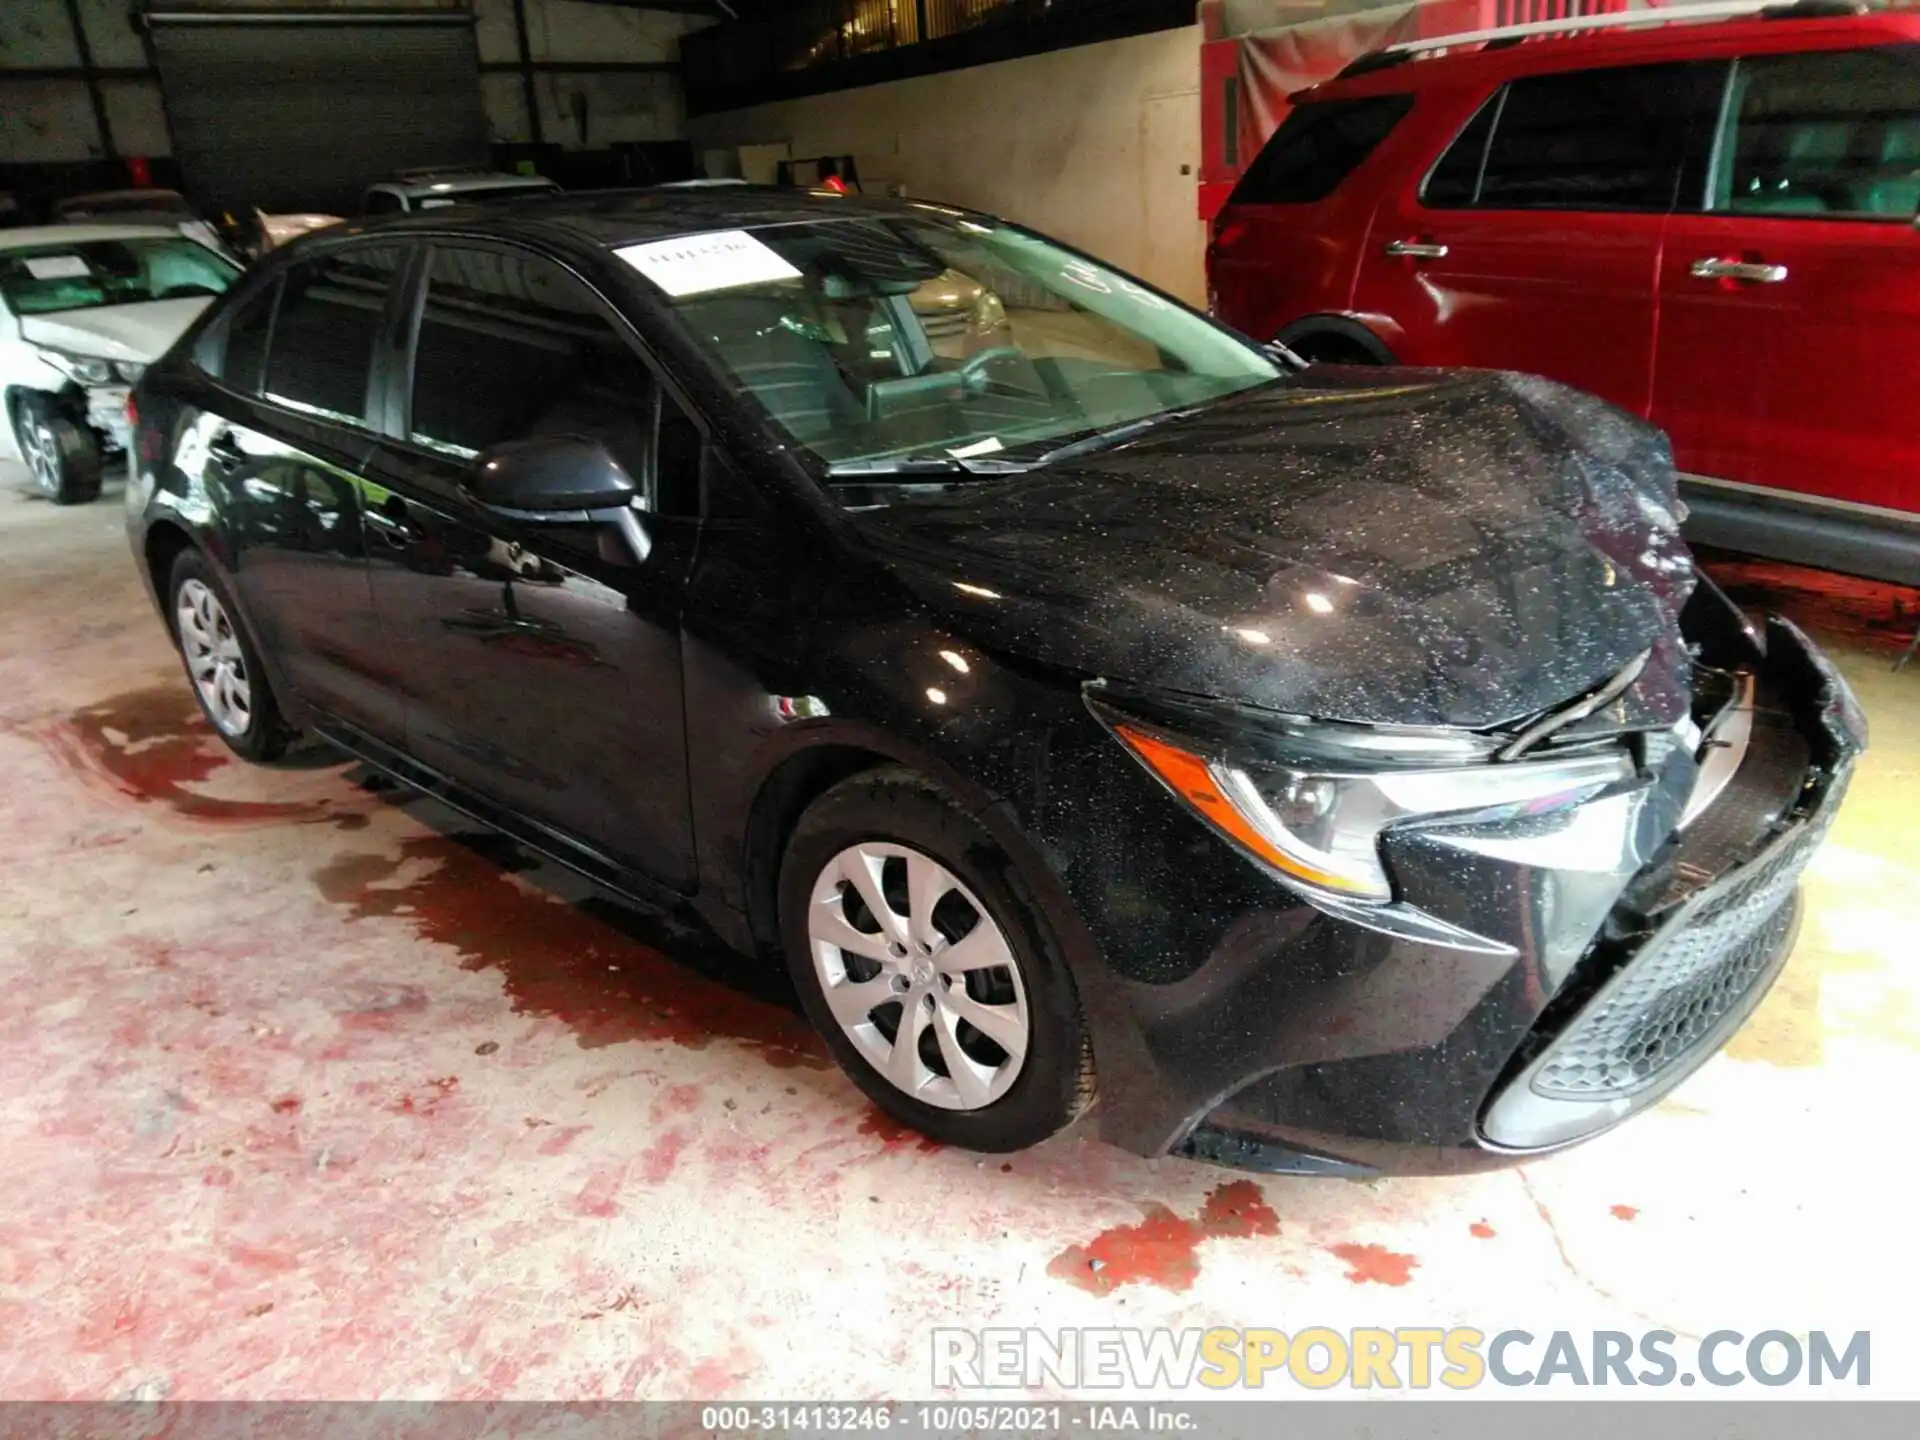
(80, 234)
(121, 197)
(605, 218)
(457, 181)
(1667, 35)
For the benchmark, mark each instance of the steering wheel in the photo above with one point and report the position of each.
(974, 369)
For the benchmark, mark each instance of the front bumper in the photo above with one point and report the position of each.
(1610, 970)
(107, 414)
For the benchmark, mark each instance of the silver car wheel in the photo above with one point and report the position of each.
(40, 448)
(214, 659)
(919, 975)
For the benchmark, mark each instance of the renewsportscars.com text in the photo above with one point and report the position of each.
(1408, 1357)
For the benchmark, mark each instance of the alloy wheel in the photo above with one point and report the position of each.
(214, 657)
(40, 448)
(919, 975)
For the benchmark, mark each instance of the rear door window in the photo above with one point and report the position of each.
(1833, 134)
(1317, 147)
(1614, 139)
(332, 309)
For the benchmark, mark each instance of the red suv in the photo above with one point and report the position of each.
(1709, 223)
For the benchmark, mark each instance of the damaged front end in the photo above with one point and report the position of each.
(1602, 945)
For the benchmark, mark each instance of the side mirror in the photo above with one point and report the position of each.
(539, 479)
(559, 480)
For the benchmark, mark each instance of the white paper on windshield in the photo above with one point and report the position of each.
(57, 267)
(697, 264)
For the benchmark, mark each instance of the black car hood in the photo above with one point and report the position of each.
(1395, 547)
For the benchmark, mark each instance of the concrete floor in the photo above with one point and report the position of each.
(305, 1091)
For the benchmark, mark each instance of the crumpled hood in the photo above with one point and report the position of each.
(1398, 547)
(140, 333)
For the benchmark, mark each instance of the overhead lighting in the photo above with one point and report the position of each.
(980, 590)
(936, 695)
(956, 660)
(1319, 603)
(1253, 637)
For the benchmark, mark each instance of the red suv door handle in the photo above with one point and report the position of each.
(1754, 271)
(1416, 250)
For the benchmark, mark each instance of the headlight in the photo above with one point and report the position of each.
(82, 369)
(1320, 828)
(129, 371)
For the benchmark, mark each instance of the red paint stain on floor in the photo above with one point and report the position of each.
(1480, 1230)
(894, 1136)
(595, 1199)
(1164, 1248)
(1375, 1264)
(657, 1161)
(557, 959)
(1626, 1212)
(155, 746)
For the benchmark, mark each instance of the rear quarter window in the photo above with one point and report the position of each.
(1317, 147)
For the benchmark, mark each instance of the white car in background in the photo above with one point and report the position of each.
(83, 310)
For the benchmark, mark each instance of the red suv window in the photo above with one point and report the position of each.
(1832, 134)
(1317, 147)
(1613, 139)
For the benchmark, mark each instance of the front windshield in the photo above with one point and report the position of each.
(876, 342)
(89, 274)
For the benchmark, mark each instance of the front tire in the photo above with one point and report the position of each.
(222, 665)
(921, 957)
(63, 457)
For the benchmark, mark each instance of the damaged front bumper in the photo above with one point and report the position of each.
(1620, 951)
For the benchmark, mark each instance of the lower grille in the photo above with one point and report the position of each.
(1671, 1000)
(1689, 976)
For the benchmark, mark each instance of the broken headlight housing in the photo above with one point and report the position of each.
(81, 369)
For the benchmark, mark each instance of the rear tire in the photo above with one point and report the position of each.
(64, 458)
(1332, 350)
(969, 945)
(223, 668)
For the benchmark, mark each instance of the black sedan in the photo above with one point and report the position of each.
(1332, 770)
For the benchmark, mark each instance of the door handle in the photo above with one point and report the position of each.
(1756, 272)
(392, 524)
(225, 452)
(1416, 250)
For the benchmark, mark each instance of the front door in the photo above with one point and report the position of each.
(541, 661)
(1790, 305)
(1534, 242)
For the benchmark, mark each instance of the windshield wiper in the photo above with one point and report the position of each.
(922, 465)
(1111, 436)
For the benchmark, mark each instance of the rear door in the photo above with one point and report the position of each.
(542, 662)
(1534, 242)
(1790, 299)
(281, 444)
(1286, 244)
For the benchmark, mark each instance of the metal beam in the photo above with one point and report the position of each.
(535, 130)
(107, 147)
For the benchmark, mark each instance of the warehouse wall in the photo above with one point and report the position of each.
(1087, 144)
(52, 119)
(585, 110)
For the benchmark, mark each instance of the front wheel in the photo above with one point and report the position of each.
(921, 958)
(63, 457)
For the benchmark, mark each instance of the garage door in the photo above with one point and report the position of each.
(299, 111)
